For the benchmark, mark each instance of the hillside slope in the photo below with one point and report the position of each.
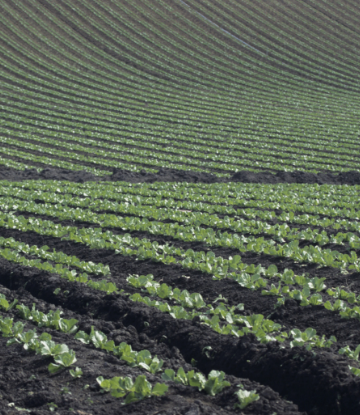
(211, 86)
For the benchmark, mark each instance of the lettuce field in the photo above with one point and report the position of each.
(179, 207)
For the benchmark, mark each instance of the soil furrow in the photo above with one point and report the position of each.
(290, 315)
(303, 377)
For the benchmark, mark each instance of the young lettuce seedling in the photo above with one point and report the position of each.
(76, 373)
(82, 337)
(7, 328)
(213, 385)
(100, 340)
(353, 354)
(50, 348)
(68, 326)
(245, 398)
(4, 304)
(62, 360)
(134, 391)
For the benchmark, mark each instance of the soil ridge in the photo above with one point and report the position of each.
(302, 376)
(174, 175)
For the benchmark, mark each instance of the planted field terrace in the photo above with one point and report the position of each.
(179, 207)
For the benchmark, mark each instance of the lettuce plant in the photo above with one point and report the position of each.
(5, 305)
(76, 373)
(120, 387)
(213, 385)
(245, 398)
(50, 348)
(62, 361)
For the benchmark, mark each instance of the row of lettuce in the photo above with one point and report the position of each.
(119, 387)
(222, 318)
(154, 112)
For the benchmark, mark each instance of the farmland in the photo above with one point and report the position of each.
(179, 207)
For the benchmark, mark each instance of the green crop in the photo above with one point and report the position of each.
(124, 351)
(245, 398)
(50, 348)
(354, 370)
(42, 345)
(310, 253)
(76, 373)
(214, 384)
(99, 340)
(62, 361)
(52, 319)
(353, 354)
(310, 339)
(4, 304)
(134, 391)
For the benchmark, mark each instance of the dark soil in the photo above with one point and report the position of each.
(173, 175)
(302, 377)
(26, 381)
(351, 177)
(324, 321)
(13, 175)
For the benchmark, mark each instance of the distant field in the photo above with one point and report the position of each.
(179, 207)
(204, 86)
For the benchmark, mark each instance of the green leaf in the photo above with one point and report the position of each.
(76, 373)
(54, 368)
(131, 397)
(24, 311)
(159, 389)
(66, 359)
(142, 386)
(181, 376)
(271, 271)
(168, 375)
(18, 328)
(245, 398)
(104, 383)
(82, 337)
(50, 348)
(45, 336)
(68, 326)
(97, 337)
(120, 386)
(6, 326)
(156, 365)
(164, 291)
(197, 380)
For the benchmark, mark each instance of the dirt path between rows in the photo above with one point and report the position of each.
(173, 175)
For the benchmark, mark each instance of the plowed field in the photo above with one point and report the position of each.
(179, 207)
